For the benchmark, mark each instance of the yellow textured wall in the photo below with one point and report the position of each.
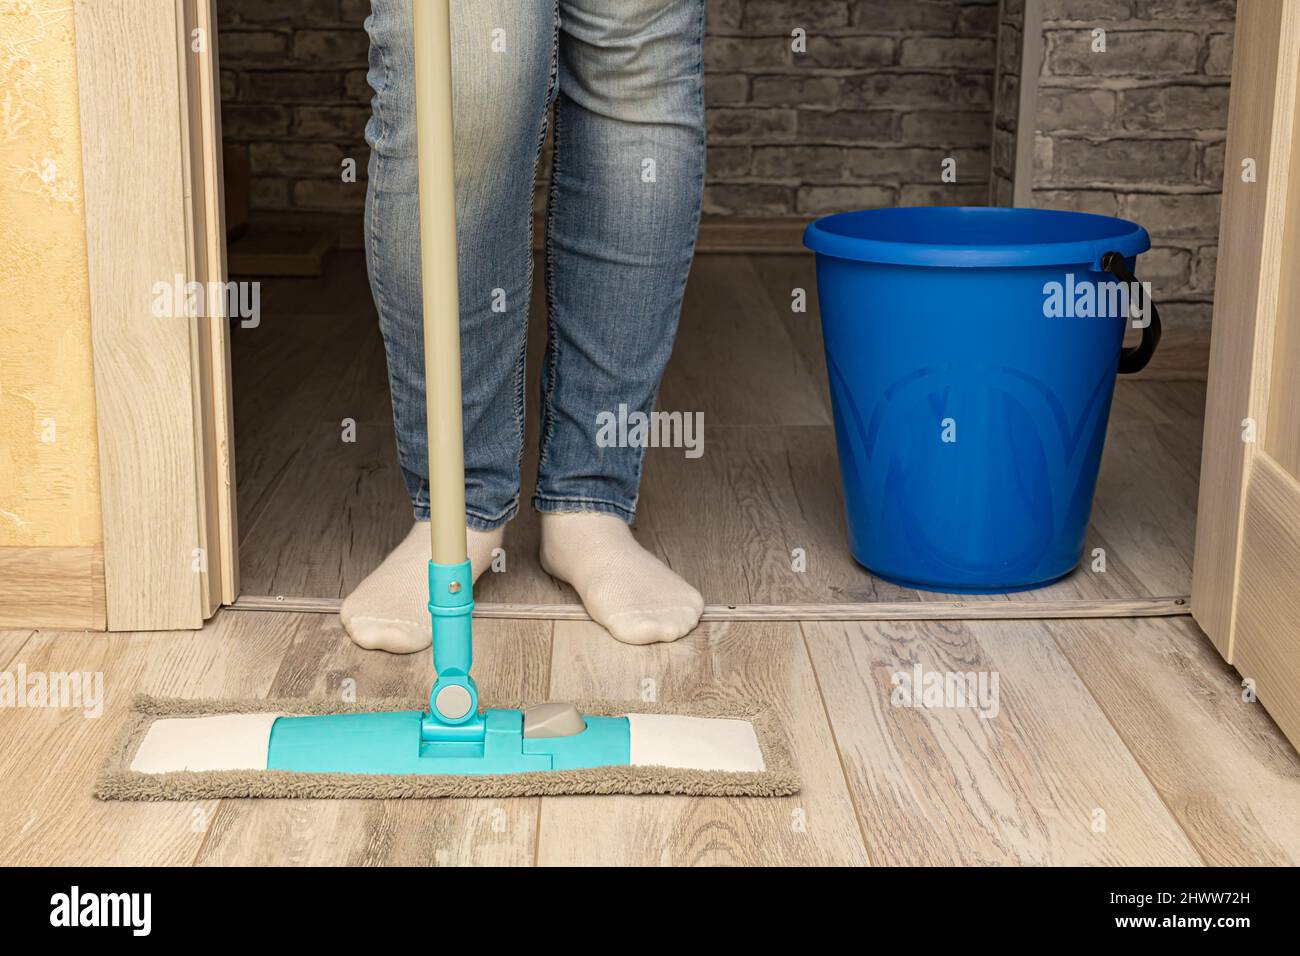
(49, 471)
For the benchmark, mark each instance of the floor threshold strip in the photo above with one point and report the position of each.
(968, 610)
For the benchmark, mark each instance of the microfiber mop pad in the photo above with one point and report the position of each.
(731, 749)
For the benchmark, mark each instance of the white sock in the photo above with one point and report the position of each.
(625, 588)
(389, 610)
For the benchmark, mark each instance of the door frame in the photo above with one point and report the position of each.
(147, 77)
(1248, 289)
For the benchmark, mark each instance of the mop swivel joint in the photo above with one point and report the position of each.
(453, 701)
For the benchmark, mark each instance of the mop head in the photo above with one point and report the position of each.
(177, 749)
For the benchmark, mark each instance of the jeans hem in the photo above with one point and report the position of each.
(550, 505)
(476, 522)
(473, 521)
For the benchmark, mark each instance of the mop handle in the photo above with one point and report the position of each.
(438, 263)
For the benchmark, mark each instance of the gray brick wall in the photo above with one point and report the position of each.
(294, 94)
(885, 91)
(1138, 130)
(1006, 101)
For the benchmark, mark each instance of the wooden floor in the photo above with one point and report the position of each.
(1120, 741)
(1112, 742)
(317, 513)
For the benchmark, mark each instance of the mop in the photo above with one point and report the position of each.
(449, 745)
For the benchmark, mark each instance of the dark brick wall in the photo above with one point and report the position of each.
(1006, 102)
(885, 92)
(1138, 131)
(294, 93)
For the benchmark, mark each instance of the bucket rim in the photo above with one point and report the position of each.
(834, 236)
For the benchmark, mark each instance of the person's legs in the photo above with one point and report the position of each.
(504, 65)
(624, 212)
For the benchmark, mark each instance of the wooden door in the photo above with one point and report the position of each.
(148, 86)
(1246, 585)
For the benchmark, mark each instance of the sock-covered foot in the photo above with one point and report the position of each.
(625, 588)
(389, 610)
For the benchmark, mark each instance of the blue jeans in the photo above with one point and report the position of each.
(626, 78)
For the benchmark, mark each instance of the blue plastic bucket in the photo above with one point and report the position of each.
(971, 387)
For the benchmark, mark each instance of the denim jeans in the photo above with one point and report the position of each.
(626, 80)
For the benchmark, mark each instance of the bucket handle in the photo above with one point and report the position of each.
(1134, 359)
